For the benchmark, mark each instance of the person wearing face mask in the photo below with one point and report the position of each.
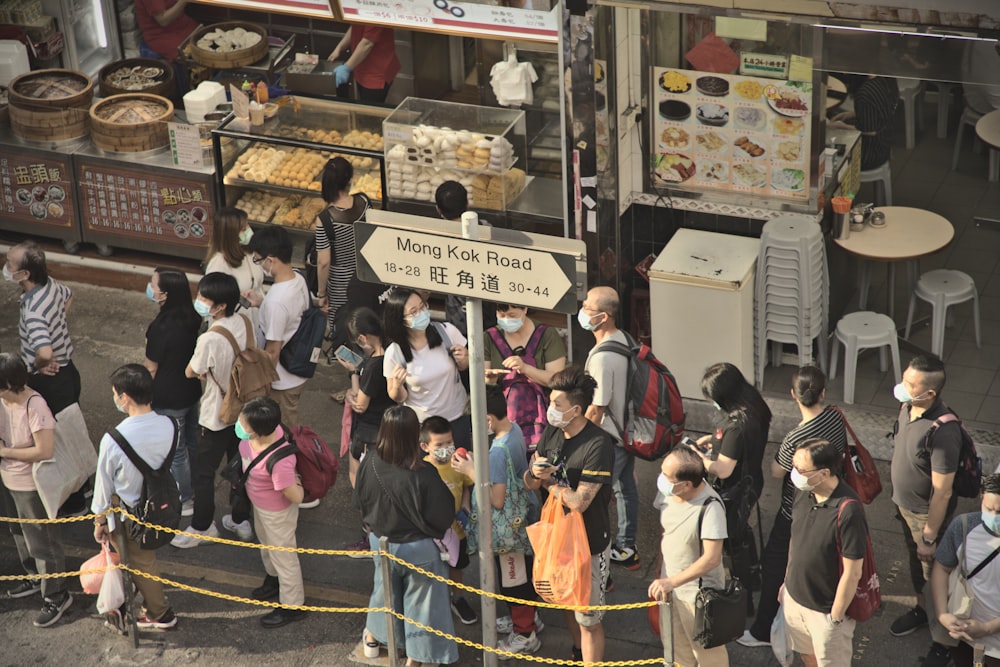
(973, 540)
(227, 253)
(923, 472)
(578, 456)
(521, 356)
(694, 528)
(275, 491)
(170, 342)
(829, 541)
(212, 362)
(151, 436)
(598, 314)
(421, 371)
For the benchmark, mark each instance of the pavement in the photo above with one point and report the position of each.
(108, 327)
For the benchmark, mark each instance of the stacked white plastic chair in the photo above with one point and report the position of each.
(792, 286)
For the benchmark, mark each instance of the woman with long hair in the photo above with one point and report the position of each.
(818, 421)
(403, 499)
(170, 341)
(227, 253)
(421, 370)
(738, 446)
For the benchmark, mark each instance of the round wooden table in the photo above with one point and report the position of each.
(988, 129)
(908, 235)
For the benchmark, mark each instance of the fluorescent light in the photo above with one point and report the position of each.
(100, 23)
(909, 33)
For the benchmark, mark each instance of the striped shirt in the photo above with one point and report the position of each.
(43, 322)
(827, 425)
(343, 263)
(875, 106)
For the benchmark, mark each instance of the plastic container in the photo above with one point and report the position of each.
(13, 60)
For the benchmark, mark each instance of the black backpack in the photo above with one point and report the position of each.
(302, 351)
(160, 501)
(969, 475)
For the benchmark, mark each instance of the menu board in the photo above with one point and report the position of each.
(728, 132)
(144, 205)
(36, 188)
(312, 8)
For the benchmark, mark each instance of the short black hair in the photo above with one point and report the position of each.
(364, 321)
(262, 415)
(823, 455)
(452, 199)
(991, 483)
(434, 425)
(33, 261)
(134, 381)
(496, 402)
(808, 384)
(690, 466)
(336, 178)
(933, 369)
(13, 372)
(272, 241)
(219, 288)
(577, 384)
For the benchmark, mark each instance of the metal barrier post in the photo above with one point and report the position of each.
(390, 620)
(667, 630)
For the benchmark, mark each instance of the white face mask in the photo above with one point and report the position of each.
(801, 482)
(444, 454)
(557, 418)
(664, 485)
(8, 275)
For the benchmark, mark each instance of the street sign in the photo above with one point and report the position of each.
(497, 272)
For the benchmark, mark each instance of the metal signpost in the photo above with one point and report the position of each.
(532, 270)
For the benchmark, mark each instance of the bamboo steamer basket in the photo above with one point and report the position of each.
(229, 59)
(50, 105)
(111, 133)
(164, 85)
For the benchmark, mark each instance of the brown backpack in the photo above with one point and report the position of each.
(251, 377)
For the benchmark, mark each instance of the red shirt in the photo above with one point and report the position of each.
(381, 66)
(163, 40)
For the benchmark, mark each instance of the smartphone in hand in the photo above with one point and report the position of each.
(347, 355)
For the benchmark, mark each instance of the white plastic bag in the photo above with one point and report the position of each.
(112, 595)
(781, 643)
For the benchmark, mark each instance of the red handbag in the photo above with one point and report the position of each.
(868, 595)
(860, 472)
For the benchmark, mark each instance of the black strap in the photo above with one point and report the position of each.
(137, 460)
(701, 518)
(260, 457)
(986, 561)
(625, 350)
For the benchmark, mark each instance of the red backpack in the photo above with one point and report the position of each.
(868, 597)
(654, 413)
(315, 464)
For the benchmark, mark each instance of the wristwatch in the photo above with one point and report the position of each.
(928, 543)
(836, 621)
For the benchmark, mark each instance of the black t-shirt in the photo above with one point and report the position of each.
(814, 560)
(373, 383)
(589, 456)
(743, 441)
(170, 343)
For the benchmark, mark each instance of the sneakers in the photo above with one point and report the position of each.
(190, 541)
(463, 611)
(166, 622)
(187, 508)
(115, 620)
(516, 643)
(267, 590)
(505, 624)
(937, 656)
(281, 617)
(750, 641)
(52, 611)
(909, 622)
(25, 588)
(242, 530)
(370, 644)
(628, 557)
(362, 548)
(309, 505)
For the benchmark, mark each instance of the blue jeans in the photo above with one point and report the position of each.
(187, 423)
(417, 597)
(626, 497)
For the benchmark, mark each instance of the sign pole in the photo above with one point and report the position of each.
(480, 446)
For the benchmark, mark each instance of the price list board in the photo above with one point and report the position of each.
(36, 188)
(121, 205)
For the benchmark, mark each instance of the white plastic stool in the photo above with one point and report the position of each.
(911, 94)
(969, 117)
(943, 288)
(881, 174)
(944, 98)
(861, 331)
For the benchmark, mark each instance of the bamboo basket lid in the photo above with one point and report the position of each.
(51, 89)
(225, 45)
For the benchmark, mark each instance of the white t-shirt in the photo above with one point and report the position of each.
(249, 276)
(610, 369)
(213, 352)
(433, 384)
(681, 545)
(280, 315)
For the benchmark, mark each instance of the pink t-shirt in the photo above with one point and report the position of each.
(264, 489)
(24, 420)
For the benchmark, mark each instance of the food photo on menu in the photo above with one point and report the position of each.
(731, 132)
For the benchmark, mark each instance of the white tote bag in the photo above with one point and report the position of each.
(73, 461)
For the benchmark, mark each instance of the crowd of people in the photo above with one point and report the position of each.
(556, 430)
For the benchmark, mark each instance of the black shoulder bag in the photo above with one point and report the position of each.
(720, 614)
(237, 477)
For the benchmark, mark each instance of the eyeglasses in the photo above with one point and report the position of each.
(258, 260)
(412, 312)
(806, 472)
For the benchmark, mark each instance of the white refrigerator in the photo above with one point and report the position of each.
(91, 31)
(701, 305)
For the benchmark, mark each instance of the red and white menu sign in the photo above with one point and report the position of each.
(36, 189)
(458, 17)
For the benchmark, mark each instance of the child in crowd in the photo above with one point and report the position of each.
(437, 439)
(513, 508)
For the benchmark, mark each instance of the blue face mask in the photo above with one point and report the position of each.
(241, 432)
(991, 522)
(202, 308)
(510, 324)
(584, 320)
(420, 321)
(120, 408)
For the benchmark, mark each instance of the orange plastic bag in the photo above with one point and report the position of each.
(92, 571)
(562, 554)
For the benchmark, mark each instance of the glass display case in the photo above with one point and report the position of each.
(428, 142)
(273, 171)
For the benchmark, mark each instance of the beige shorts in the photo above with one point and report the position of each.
(812, 633)
(599, 569)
